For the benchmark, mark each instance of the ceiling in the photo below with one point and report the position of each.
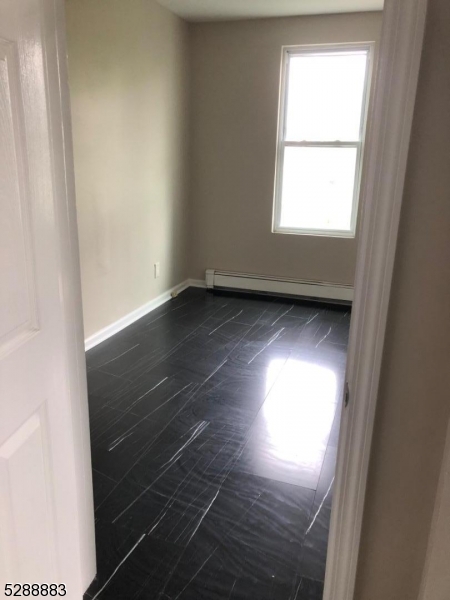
(216, 10)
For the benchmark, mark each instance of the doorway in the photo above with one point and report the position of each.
(383, 119)
(392, 119)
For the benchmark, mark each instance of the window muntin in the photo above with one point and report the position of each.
(322, 123)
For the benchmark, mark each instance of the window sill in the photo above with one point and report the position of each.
(316, 232)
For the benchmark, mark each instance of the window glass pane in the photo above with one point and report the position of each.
(325, 94)
(317, 191)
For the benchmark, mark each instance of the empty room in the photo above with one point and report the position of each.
(225, 153)
(218, 221)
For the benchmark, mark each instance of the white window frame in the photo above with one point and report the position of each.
(287, 53)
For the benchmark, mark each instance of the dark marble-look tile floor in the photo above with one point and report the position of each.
(214, 428)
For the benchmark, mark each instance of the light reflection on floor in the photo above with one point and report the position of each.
(299, 410)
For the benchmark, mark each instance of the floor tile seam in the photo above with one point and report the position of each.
(271, 479)
(147, 447)
(94, 469)
(122, 377)
(267, 394)
(177, 346)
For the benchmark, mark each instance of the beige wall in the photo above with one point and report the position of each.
(235, 89)
(414, 401)
(128, 68)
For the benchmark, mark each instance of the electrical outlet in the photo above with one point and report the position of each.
(157, 270)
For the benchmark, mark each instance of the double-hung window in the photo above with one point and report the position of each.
(322, 118)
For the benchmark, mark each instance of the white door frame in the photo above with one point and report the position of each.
(53, 22)
(382, 193)
(60, 132)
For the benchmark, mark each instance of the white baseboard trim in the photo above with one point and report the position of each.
(140, 312)
(197, 283)
(278, 285)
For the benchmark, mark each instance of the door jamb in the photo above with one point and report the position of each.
(53, 22)
(389, 134)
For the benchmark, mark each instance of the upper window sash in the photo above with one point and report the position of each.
(308, 98)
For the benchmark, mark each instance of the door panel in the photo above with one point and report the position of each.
(25, 513)
(17, 294)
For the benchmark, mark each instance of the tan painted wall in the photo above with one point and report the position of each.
(235, 89)
(414, 401)
(128, 68)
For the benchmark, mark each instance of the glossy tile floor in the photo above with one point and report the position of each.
(214, 427)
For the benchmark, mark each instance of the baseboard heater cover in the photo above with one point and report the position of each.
(313, 290)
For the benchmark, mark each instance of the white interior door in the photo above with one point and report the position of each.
(46, 508)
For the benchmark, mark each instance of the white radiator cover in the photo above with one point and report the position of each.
(317, 290)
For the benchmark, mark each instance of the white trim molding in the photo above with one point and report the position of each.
(311, 290)
(137, 314)
(197, 283)
(390, 122)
